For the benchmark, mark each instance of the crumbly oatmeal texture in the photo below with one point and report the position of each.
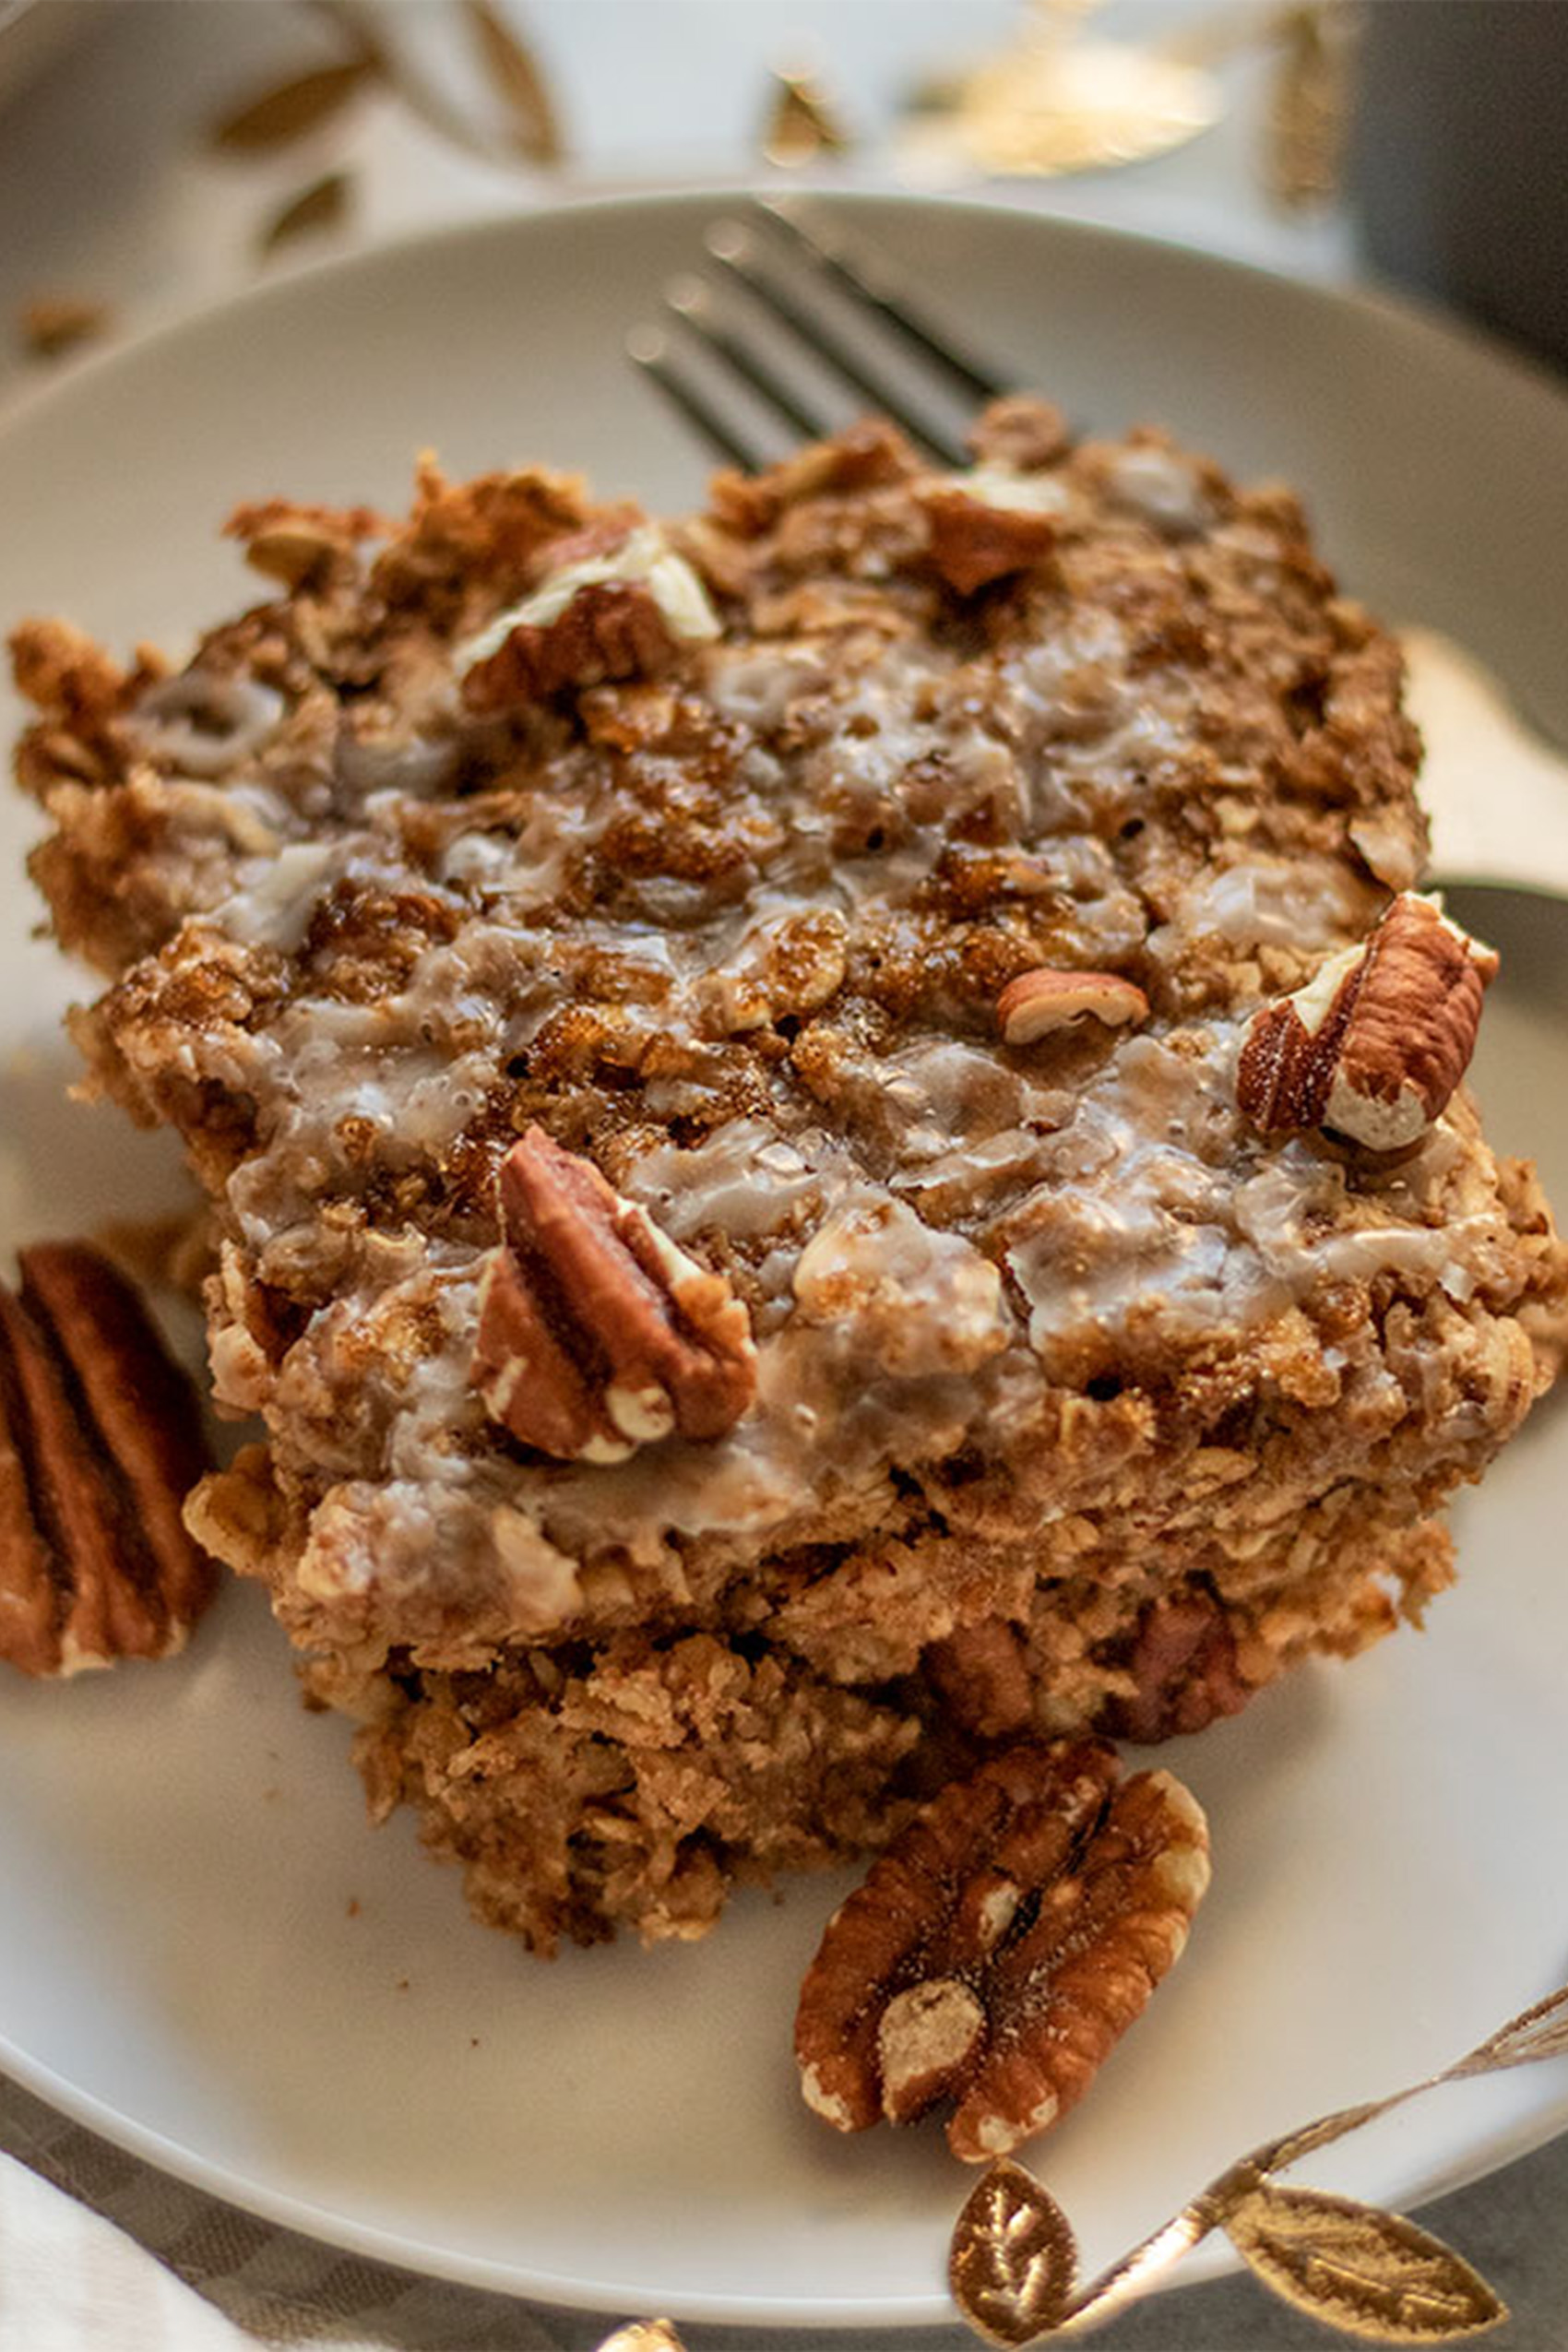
(702, 856)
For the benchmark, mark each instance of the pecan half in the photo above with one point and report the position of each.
(1001, 1947)
(100, 1440)
(1376, 1042)
(596, 1333)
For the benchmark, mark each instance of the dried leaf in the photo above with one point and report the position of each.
(1539, 2032)
(801, 125)
(50, 324)
(1309, 108)
(517, 82)
(1013, 2258)
(321, 205)
(1370, 2272)
(289, 109)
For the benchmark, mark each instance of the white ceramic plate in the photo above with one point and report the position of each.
(206, 1954)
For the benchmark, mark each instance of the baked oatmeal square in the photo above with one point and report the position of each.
(836, 1131)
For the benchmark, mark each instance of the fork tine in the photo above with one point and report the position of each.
(938, 349)
(737, 252)
(694, 306)
(648, 348)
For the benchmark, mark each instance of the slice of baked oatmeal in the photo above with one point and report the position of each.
(736, 1332)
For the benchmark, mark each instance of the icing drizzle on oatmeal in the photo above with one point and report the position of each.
(738, 930)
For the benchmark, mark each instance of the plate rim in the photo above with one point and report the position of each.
(1378, 301)
(1212, 2260)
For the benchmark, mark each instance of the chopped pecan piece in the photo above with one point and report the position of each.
(304, 546)
(1376, 1042)
(620, 611)
(100, 1440)
(596, 1333)
(1001, 1946)
(982, 1677)
(788, 965)
(1019, 431)
(867, 453)
(986, 525)
(1037, 1001)
(613, 629)
(1184, 1673)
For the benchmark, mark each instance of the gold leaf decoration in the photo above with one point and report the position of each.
(1289, 2149)
(518, 82)
(1013, 2258)
(1138, 2271)
(320, 207)
(1539, 2032)
(643, 2335)
(1366, 2272)
(287, 110)
(1369, 2273)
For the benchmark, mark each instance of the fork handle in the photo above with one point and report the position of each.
(1497, 795)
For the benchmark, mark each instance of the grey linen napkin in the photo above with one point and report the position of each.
(99, 2253)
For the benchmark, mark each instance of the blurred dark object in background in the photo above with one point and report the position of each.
(1459, 158)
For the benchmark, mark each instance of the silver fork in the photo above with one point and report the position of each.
(793, 330)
